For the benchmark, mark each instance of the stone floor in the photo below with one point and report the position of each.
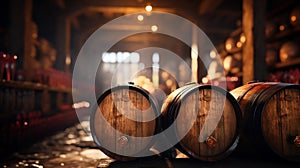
(73, 148)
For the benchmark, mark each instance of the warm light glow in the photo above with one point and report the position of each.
(227, 63)
(243, 38)
(68, 60)
(204, 80)
(194, 53)
(164, 75)
(234, 78)
(293, 18)
(239, 44)
(148, 8)
(155, 76)
(284, 56)
(83, 104)
(154, 28)
(140, 18)
(62, 156)
(228, 46)
(15, 57)
(169, 83)
(281, 27)
(212, 69)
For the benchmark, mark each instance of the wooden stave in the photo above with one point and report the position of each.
(169, 103)
(252, 117)
(185, 91)
(154, 103)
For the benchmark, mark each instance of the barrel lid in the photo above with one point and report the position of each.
(260, 112)
(124, 139)
(237, 112)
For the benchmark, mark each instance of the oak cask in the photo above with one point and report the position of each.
(124, 121)
(205, 119)
(271, 118)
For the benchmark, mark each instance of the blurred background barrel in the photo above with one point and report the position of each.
(289, 51)
(207, 119)
(124, 121)
(271, 119)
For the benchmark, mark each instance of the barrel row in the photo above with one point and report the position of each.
(202, 121)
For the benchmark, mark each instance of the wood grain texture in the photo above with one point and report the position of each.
(254, 48)
(271, 118)
(203, 114)
(121, 122)
(281, 122)
(207, 104)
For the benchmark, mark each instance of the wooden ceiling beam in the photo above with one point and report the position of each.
(124, 10)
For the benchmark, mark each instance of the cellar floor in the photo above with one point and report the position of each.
(73, 148)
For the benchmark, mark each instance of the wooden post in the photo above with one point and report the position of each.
(63, 42)
(20, 31)
(254, 16)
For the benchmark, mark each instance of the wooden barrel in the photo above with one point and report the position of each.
(124, 121)
(205, 121)
(271, 118)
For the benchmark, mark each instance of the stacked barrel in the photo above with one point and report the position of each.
(206, 121)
